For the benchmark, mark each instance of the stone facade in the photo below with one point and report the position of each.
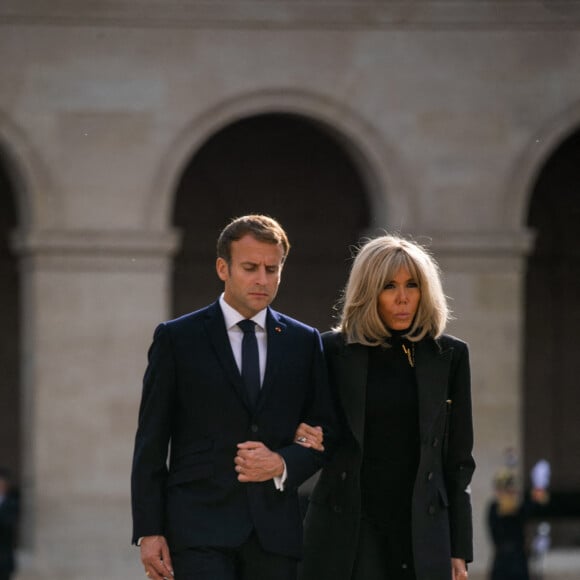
(448, 109)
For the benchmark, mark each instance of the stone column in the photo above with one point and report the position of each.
(91, 300)
(483, 274)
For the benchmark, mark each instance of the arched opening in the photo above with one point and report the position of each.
(288, 167)
(551, 393)
(10, 440)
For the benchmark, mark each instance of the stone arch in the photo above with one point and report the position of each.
(551, 399)
(530, 162)
(293, 169)
(382, 169)
(38, 205)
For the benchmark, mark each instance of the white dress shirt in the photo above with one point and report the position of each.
(235, 334)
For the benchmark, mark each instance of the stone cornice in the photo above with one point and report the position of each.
(298, 14)
(491, 243)
(96, 250)
(491, 251)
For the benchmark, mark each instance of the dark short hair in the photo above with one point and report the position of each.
(261, 227)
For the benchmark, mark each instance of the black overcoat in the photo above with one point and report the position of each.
(441, 513)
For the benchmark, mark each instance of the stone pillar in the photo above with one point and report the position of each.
(484, 276)
(91, 300)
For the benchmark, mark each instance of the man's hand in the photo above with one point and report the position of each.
(255, 462)
(155, 557)
(308, 436)
(458, 569)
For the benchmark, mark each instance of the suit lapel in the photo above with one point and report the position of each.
(432, 372)
(276, 348)
(218, 336)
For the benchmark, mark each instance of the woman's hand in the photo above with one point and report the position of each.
(311, 437)
(458, 569)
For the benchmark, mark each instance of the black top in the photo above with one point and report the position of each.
(391, 441)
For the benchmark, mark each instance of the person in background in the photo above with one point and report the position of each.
(507, 517)
(224, 391)
(394, 503)
(8, 523)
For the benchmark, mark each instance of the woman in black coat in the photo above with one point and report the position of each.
(394, 502)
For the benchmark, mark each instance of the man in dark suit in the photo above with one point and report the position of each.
(216, 466)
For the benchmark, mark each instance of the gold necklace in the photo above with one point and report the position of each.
(410, 352)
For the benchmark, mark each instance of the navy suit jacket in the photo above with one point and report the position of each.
(194, 411)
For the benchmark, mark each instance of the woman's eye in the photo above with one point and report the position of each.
(389, 286)
(413, 285)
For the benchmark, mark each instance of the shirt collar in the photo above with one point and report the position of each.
(232, 316)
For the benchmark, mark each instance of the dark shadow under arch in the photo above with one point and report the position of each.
(292, 169)
(10, 439)
(551, 393)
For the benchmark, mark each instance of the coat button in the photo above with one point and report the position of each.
(435, 442)
(343, 475)
(431, 510)
(254, 428)
(337, 509)
(430, 476)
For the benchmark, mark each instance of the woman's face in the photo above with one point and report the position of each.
(399, 300)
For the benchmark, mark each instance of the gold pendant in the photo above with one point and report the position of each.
(410, 352)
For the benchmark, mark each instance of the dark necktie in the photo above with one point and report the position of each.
(250, 360)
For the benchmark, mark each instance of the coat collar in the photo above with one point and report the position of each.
(432, 365)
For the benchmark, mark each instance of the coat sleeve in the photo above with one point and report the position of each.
(319, 409)
(459, 463)
(149, 471)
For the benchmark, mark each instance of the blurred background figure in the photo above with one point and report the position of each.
(507, 516)
(8, 522)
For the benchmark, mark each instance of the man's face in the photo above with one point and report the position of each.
(251, 280)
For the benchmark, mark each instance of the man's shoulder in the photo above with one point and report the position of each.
(291, 323)
(192, 318)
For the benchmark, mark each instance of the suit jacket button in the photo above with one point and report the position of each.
(343, 475)
(254, 428)
(431, 510)
(435, 442)
(336, 509)
(430, 476)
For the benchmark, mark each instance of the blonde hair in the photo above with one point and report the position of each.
(376, 263)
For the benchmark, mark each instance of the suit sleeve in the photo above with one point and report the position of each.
(319, 409)
(149, 471)
(459, 462)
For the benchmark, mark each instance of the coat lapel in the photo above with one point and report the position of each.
(432, 372)
(350, 368)
(218, 336)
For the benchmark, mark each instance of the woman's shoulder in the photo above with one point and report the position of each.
(448, 341)
(333, 338)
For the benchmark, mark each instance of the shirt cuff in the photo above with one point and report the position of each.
(280, 480)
